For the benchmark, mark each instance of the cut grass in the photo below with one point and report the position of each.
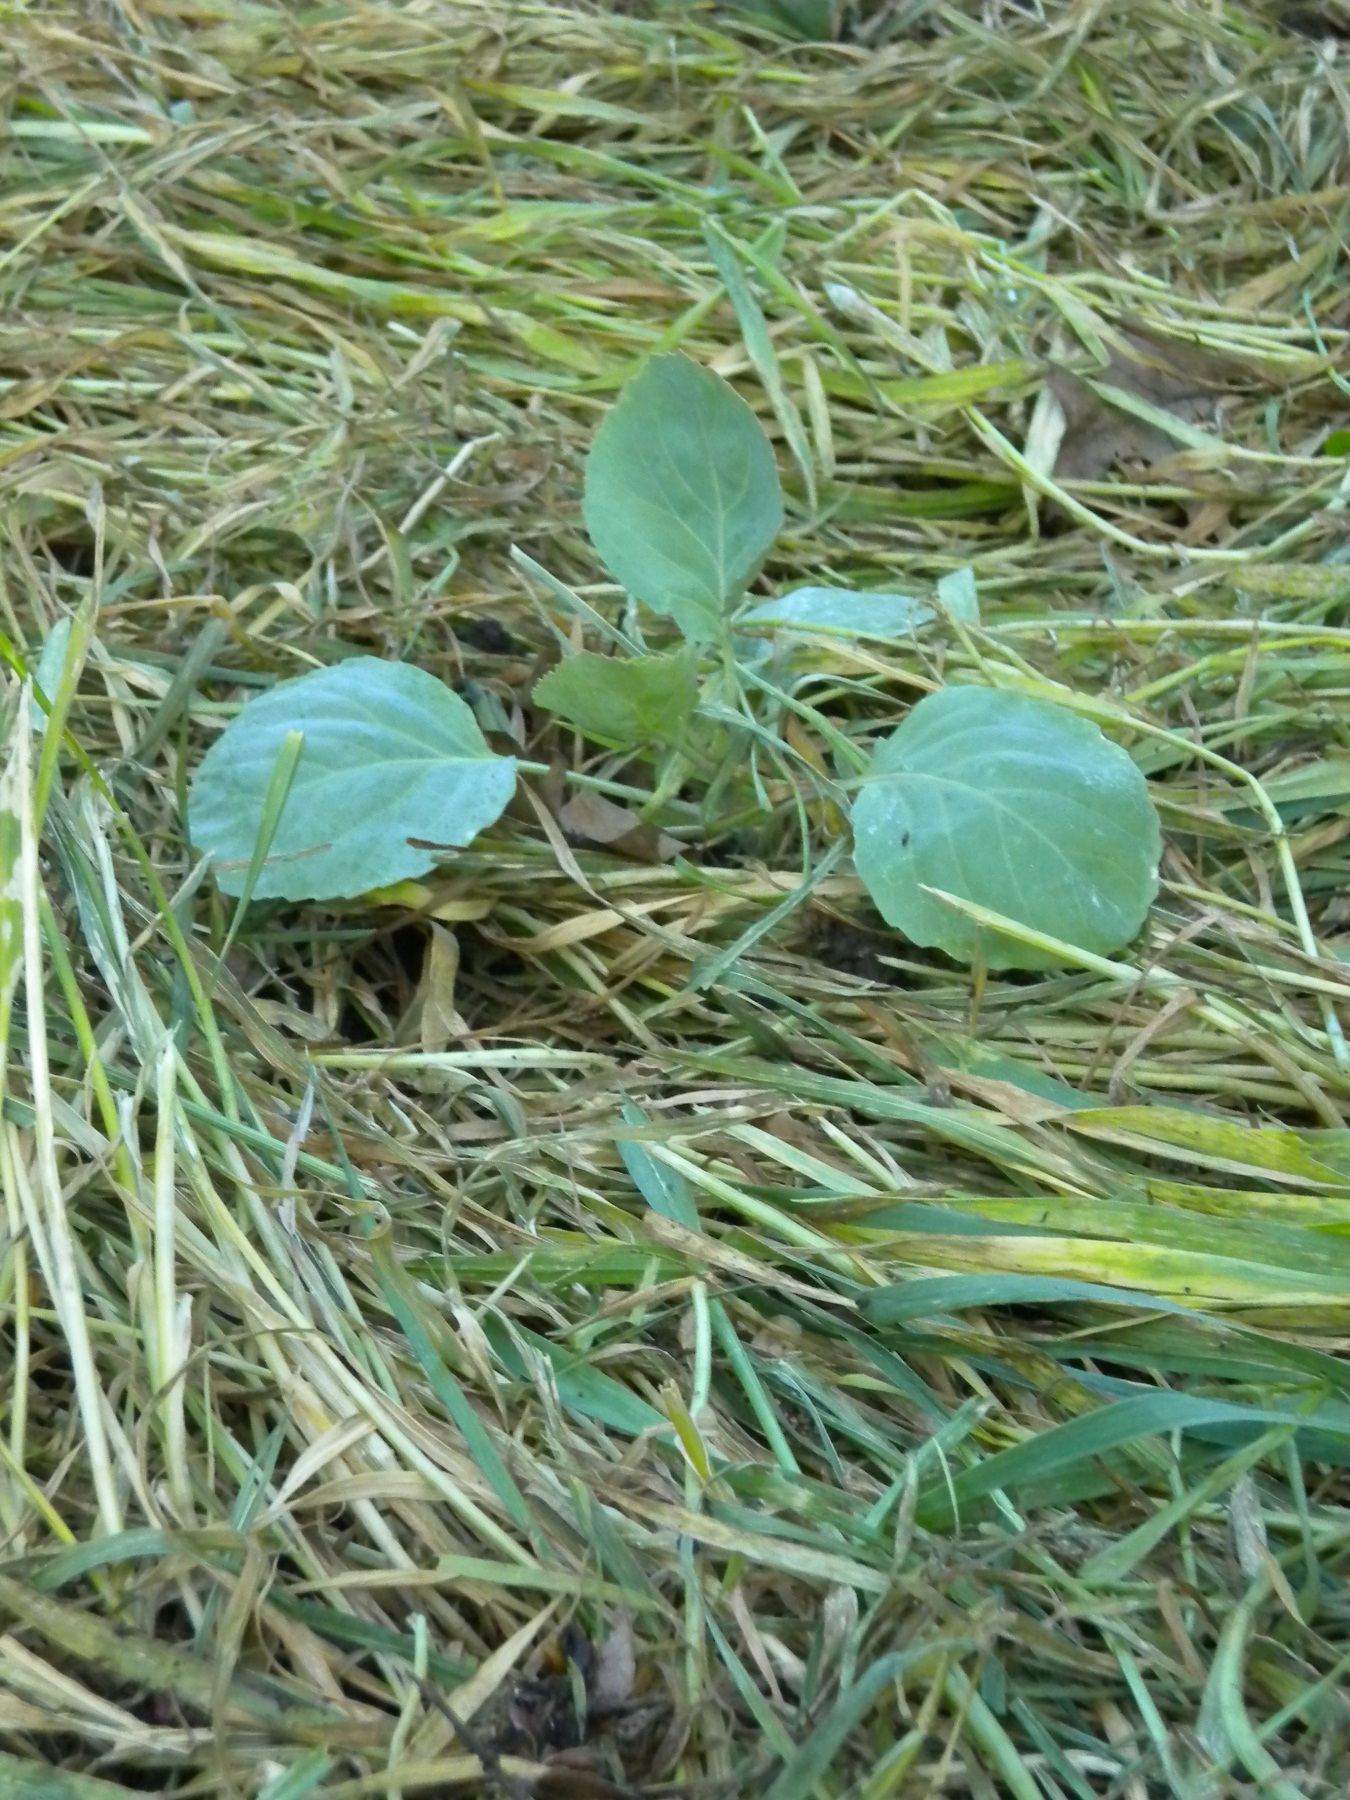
(943, 1374)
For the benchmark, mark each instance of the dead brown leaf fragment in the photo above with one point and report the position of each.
(589, 818)
(1189, 381)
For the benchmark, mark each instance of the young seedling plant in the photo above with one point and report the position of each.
(984, 805)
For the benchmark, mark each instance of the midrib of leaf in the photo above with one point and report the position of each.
(954, 835)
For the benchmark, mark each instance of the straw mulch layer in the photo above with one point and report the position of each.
(364, 1430)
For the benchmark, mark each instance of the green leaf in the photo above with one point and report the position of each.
(586, 1392)
(663, 1188)
(927, 1297)
(301, 1778)
(957, 594)
(865, 612)
(50, 664)
(404, 1302)
(60, 681)
(1014, 805)
(273, 810)
(726, 256)
(839, 611)
(24, 1778)
(1121, 1555)
(1179, 1134)
(624, 700)
(390, 754)
(359, 1634)
(82, 1558)
(1079, 1441)
(682, 498)
(810, 21)
(799, 1779)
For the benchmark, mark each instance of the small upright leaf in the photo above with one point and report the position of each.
(682, 498)
(663, 1188)
(957, 594)
(1013, 804)
(50, 665)
(623, 700)
(390, 754)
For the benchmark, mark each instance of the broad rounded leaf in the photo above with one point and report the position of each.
(390, 754)
(682, 498)
(623, 700)
(1013, 804)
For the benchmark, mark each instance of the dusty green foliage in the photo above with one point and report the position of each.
(988, 1433)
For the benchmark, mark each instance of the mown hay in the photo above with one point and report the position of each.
(350, 1377)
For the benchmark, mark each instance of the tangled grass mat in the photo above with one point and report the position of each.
(369, 1425)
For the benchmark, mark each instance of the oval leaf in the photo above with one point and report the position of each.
(1017, 806)
(390, 754)
(623, 700)
(682, 498)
